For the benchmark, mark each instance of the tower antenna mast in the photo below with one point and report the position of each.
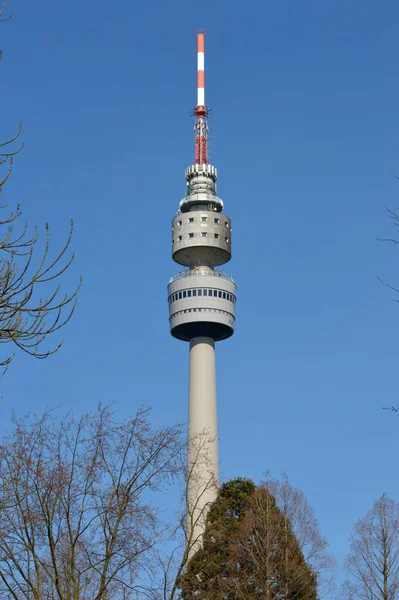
(201, 111)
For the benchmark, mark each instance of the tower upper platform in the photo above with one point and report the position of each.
(201, 237)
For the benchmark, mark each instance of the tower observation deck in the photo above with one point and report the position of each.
(202, 302)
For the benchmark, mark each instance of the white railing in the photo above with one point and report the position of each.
(194, 272)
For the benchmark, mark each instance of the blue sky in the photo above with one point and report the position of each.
(305, 137)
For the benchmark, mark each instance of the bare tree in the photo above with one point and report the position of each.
(301, 517)
(27, 318)
(394, 218)
(78, 519)
(373, 562)
(272, 565)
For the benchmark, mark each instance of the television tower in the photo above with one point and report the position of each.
(201, 307)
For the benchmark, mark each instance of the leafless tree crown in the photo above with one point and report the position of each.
(77, 514)
(373, 562)
(314, 547)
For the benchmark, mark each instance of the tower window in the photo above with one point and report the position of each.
(216, 220)
(215, 293)
(184, 294)
(205, 292)
(194, 292)
(199, 292)
(226, 224)
(204, 219)
(203, 234)
(179, 239)
(189, 293)
(209, 292)
(226, 239)
(179, 295)
(220, 294)
(191, 219)
(191, 235)
(179, 223)
(224, 295)
(216, 236)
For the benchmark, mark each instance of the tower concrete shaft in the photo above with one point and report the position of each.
(203, 460)
(202, 302)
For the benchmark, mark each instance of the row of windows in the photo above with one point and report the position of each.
(203, 219)
(214, 310)
(201, 292)
(204, 234)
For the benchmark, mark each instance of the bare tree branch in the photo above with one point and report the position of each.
(395, 218)
(77, 518)
(295, 506)
(26, 318)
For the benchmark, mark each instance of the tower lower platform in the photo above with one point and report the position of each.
(202, 304)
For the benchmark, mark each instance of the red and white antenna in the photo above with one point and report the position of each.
(201, 111)
(201, 69)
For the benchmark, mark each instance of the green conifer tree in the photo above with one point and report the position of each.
(249, 551)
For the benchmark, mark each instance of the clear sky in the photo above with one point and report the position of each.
(305, 136)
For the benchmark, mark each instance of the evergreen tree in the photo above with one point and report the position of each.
(249, 551)
(210, 567)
